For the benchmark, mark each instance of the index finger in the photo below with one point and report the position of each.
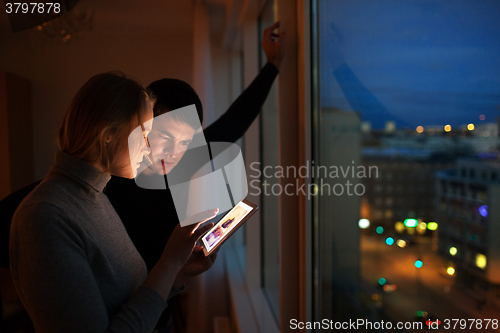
(269, 30)
(191, 228)
(198, 233)
(200, 217)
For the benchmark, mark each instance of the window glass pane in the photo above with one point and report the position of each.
(269, 199)
(239, 237)
(407, 103)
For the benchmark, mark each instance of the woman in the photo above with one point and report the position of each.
(73, 264)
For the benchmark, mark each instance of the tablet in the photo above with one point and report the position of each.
(227, 225)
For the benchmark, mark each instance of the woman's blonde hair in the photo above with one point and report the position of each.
(108, 105)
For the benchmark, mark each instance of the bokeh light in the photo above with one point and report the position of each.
(420, 129)
(482, 117)
(399, 227)
(470, 127)
(483, 210)
(481, 260)
(450, 270)
(422, 226)
(379, 230)
(447, 128)
(401, 243)
(382, 281)
(453, 250)
(389, 241)
(411, 223)
(389, 287)
(364, 223)
(421, 314)
(432, 226)
(419, 263)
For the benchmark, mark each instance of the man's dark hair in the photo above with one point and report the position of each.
(172, 94)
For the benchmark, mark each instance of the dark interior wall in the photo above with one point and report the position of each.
(57, 71)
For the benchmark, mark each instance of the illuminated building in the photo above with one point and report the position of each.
(405, 187)
(459, 140)
(469, 221)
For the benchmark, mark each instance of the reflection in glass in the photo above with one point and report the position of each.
(421, 81)
(270, 201)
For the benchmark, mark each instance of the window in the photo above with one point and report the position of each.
(397, 67)
(269, 200)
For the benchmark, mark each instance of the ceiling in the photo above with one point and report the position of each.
(115, 16)
(154, 16)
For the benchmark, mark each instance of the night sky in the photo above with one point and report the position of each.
(415, 62)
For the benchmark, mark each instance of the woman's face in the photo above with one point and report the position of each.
(169, 141)
(130, 159)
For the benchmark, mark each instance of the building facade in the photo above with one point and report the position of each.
(404, 187)
(469, 221)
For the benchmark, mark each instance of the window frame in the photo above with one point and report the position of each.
(251, 308)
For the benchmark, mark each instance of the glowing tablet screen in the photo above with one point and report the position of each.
(223, 228)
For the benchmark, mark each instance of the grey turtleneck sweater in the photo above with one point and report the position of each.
(73, 264)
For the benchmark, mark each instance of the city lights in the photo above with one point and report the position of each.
(382, 281)
(432, 226)
(401, 243)
(447, 128)
(364, 223)
(419, 263)
(450, 270)
(421, 314)
(470, 127)
(453, 251)
(389, 241)
(483, 210)
(481, 260)
(399, 227)
(420, 129)
(422, 226)
(389, 287)
(411, 223)
(379, 230)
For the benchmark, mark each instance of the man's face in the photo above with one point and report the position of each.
(168, 141)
